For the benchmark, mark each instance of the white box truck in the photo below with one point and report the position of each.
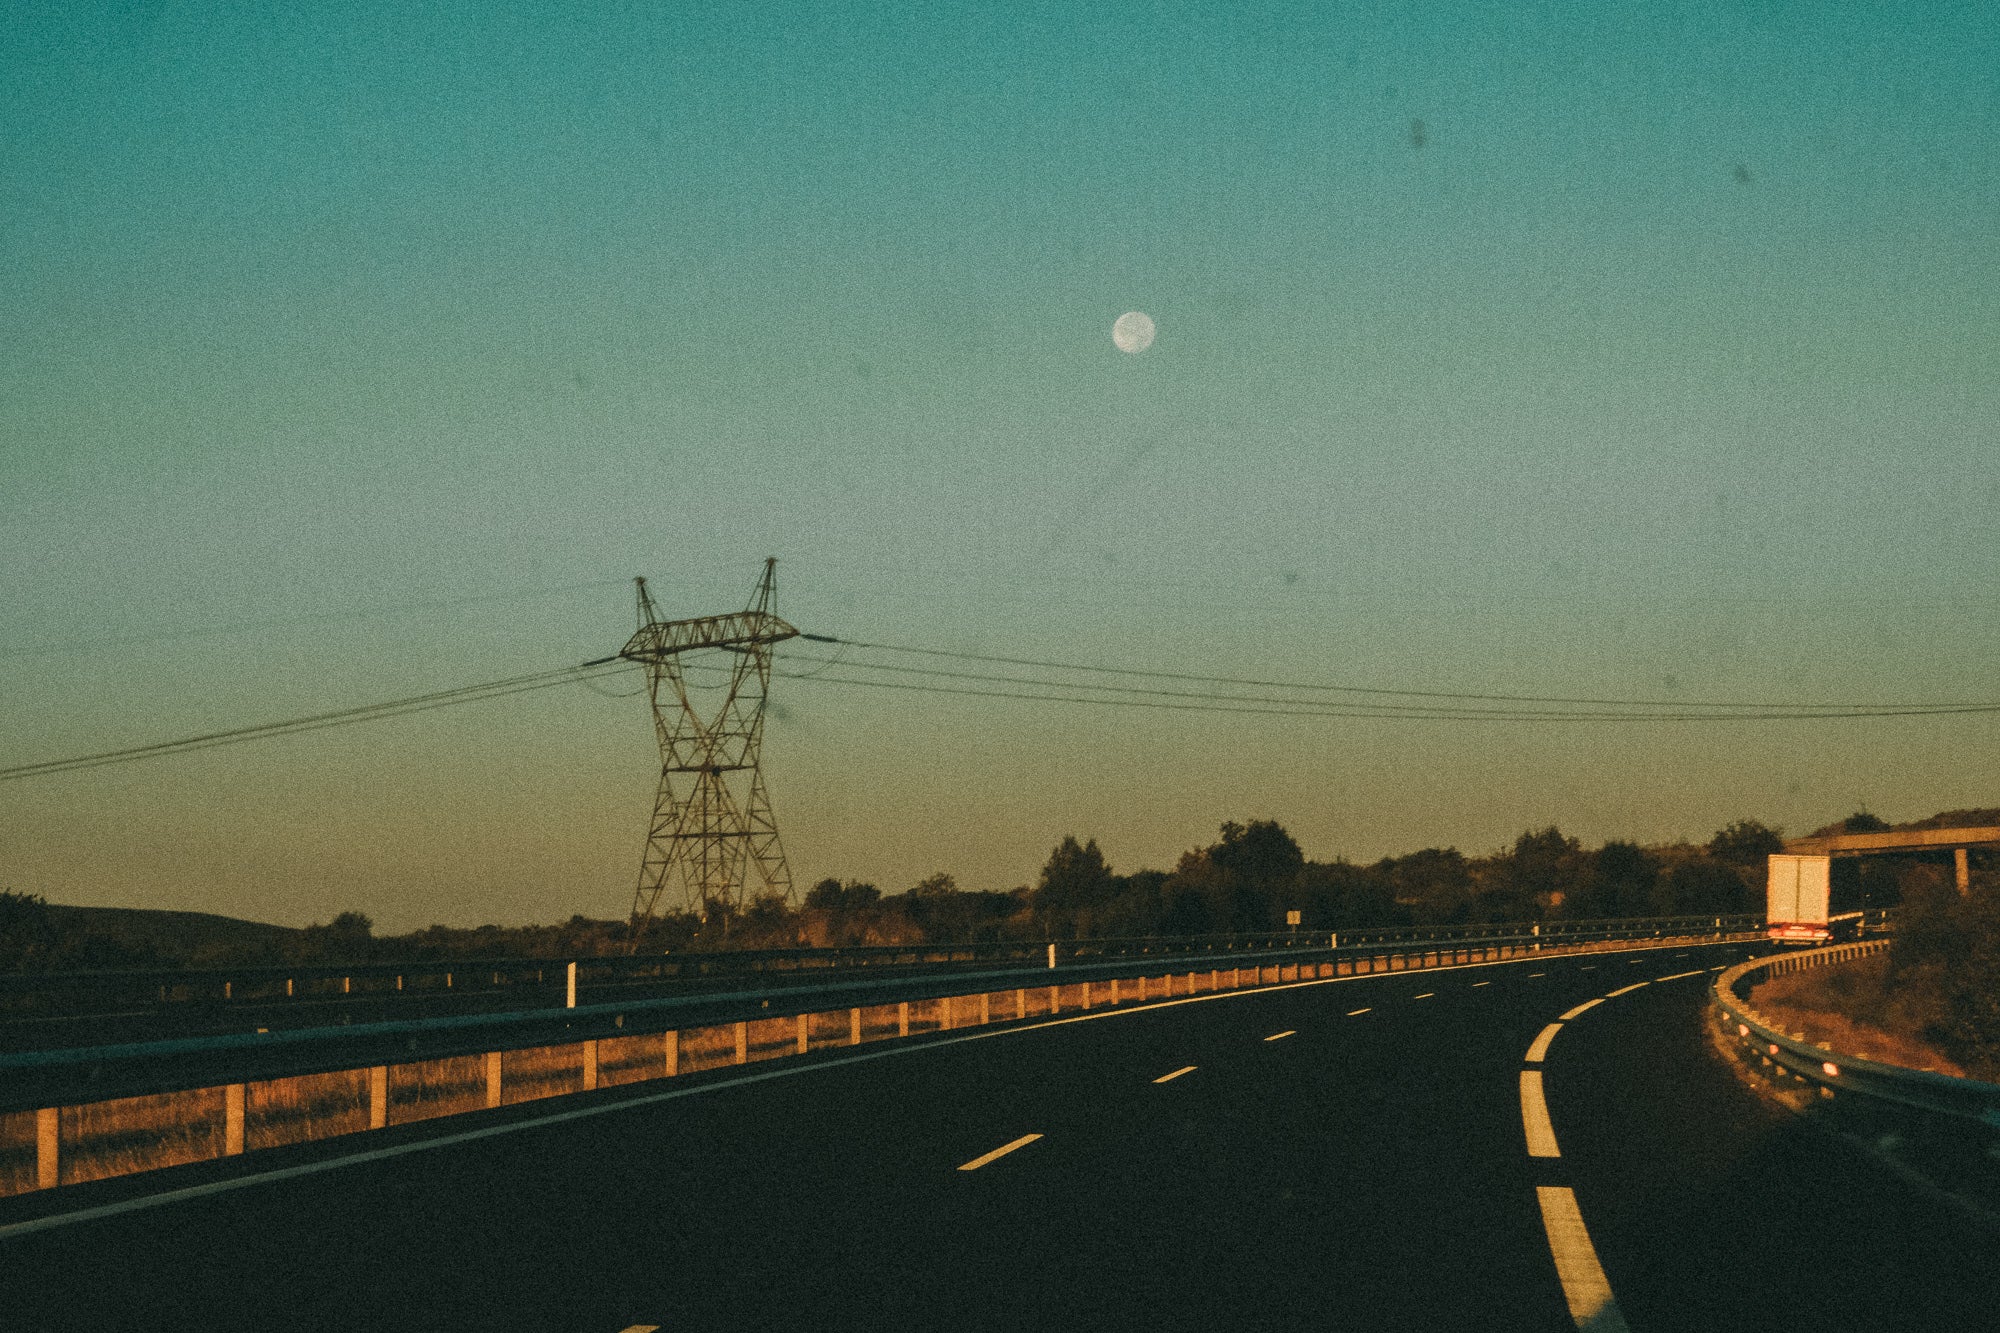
(1798, 898)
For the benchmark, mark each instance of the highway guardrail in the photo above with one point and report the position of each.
(1946, 1127)
(70, 1116)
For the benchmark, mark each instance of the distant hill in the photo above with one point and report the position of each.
(1981, 818)
(144, 932)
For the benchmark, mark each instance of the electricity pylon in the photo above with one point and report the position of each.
(712, 818)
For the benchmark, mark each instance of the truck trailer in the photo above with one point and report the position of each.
(1808, 900)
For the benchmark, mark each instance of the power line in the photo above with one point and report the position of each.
(420, 703)
(1790, 707)
(1359, 708)
(1221, 703)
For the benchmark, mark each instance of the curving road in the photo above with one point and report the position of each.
(1347, 1154)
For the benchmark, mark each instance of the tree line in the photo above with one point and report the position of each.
(1247, 880)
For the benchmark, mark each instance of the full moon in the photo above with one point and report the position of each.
(1133, 332)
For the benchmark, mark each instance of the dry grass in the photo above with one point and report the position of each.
(311, 1106)
(708, 1047)
(537, 1072)
(1848, 1008)
(17, 1152)
(770, 1038)
(878, 1021)
(425, 1089)
(632, 1059)
(130, 1134)
(832, 1027)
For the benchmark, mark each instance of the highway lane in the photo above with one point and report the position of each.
(1368, 1170)
(1713, 1209)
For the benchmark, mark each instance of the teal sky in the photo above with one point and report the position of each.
(354, 351)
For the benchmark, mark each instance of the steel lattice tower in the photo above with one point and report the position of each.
(713, 814)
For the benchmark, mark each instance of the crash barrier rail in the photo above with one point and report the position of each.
(77, 1115)
(466, 984)
(1946, 1127)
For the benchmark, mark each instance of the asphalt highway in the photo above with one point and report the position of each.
(1331, 1155)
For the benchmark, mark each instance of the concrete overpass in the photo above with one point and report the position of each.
(1956, 840)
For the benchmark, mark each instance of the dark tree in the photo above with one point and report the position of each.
(1618, 883)
(1260, 852)
(26, 936)
(1745, 843)
(1073, 883)
(1704, 885)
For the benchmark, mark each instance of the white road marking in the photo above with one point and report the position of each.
(1001, 1151)
(1626, 990)
(1678, 975)
(1541, 1047)
(1188, 1069)
(1279, 1036)
(1477, 984)
(1537, 974)
(1580, 1008)
(642, 1328)
(1427, 995)
(1584, 1285)
(1352, 1012)
(1590, 967)
(1535, 1116)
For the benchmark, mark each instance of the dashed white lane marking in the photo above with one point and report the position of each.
(1280, 1036)
(1627, 990)
(1001, 1151)
(1587, 1004)
(1352, 1012)
(1541, 1046)
(1188, 1069)
(1589, 967)
(1477, 984)
(1537, 974)
(1584, 1285)
(643, 1328)
(1427, 995)
(1535, 1116)
(1678, 975)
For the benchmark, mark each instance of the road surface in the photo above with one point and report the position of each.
(1348, 1154)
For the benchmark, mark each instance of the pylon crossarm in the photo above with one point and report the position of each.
(738, 629)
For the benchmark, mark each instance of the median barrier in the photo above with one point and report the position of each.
(75, 1115)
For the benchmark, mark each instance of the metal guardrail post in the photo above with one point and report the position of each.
(48, 1137)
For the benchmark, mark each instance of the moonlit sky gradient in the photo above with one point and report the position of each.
(351, 351)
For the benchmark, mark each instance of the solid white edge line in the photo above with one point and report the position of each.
(1535, 1116)
(1279, 1036)
(1627, 990)
(999, 1152)
(1541, 1047)
(145, 1201)
(1585, 1287)
(1587, 1004)
(1168, 1078)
